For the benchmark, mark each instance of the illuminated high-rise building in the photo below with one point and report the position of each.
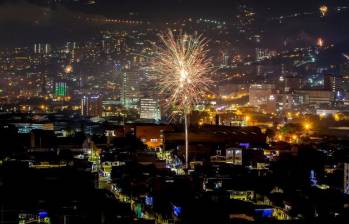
(334, 84)
(61, 89)
(38, 48)
(47, 49)
(292, 83)
(42, 48)
(130, 90)
(346, 178)
(225, 59)
(259, 94)
(149, 109)
(263, 96)
(91, 106)
(262, 54)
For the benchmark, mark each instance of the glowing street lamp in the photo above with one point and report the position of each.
(247, 118)
(294, 138)
(320, 42)
(307, 126)
(336, 117)
(323, 10)
(68, 69)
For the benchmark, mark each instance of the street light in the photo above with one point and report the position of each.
(323, 10)
(247, 119)
(307, 126)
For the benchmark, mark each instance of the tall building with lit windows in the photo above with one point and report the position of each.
(130, 89)
(61, 89)
(91, 106)
(346, 178)
(149, 109)
(332, 82)
(263, 96)
(42, 48)
(262, 54)
(259, 94)
(38, 48)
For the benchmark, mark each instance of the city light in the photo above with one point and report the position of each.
(346, 56)
(322, 116)
(320, 42)
(307, 126)
(294, 137)
(174, 111)
(337, 117)
(68, 69)
(323, 10)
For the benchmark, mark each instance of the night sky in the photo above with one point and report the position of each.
(154, 8)
(25, 21)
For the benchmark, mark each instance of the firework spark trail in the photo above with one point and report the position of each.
(180, 68)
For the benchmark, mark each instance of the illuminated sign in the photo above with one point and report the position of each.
(177, 210)
(43, 214)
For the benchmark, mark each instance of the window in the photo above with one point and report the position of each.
(154, 140)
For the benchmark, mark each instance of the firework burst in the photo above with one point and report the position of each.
(180, 68)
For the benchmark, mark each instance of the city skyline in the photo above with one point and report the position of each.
(174, 111)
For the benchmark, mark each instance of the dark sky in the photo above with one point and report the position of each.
(23, 21)
(204, 7)
(181, 7)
